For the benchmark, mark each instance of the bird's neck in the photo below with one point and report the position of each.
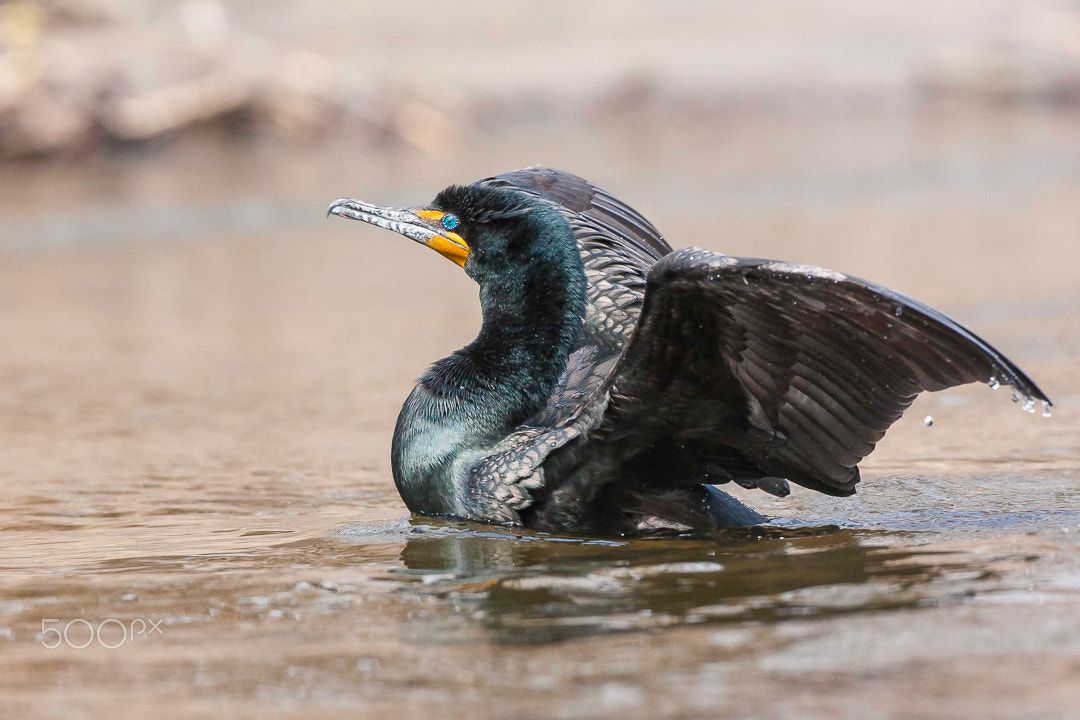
(532, 319)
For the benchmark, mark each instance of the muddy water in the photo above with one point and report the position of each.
(200, 374)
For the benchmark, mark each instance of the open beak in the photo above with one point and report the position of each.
(423, 226)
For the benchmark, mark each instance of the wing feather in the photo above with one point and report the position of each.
(797, 370)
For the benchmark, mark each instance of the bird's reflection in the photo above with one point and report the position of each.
(511, 587)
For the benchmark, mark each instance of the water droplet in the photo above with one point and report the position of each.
(1016, 396)
(1046, 408)
(899, 310)
(1028, 404)
(928, 421)
(994, 383)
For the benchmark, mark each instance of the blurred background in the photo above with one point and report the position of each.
(193, 357)
(691, 109)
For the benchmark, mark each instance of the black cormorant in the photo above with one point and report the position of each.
(614, 382)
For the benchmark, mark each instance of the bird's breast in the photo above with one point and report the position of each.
(434, 434)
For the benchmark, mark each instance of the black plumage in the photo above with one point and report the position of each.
(614, 382)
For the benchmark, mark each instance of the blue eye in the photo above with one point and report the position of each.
(450, 221)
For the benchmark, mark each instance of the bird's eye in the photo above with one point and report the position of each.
(450, 222)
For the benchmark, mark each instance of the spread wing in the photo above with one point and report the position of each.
(779, 370)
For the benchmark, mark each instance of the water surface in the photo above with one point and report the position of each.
(200, 377)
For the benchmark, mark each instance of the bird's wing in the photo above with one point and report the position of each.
(617, 245)
(780, 370)
(498, 485)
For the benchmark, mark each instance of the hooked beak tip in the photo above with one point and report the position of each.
(335, 207)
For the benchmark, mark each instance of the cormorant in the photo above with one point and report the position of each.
(614, 381)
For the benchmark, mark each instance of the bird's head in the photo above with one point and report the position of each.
(485, 230)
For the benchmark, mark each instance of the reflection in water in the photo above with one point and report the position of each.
(433, 582)
(522, 588)
(373, 611)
